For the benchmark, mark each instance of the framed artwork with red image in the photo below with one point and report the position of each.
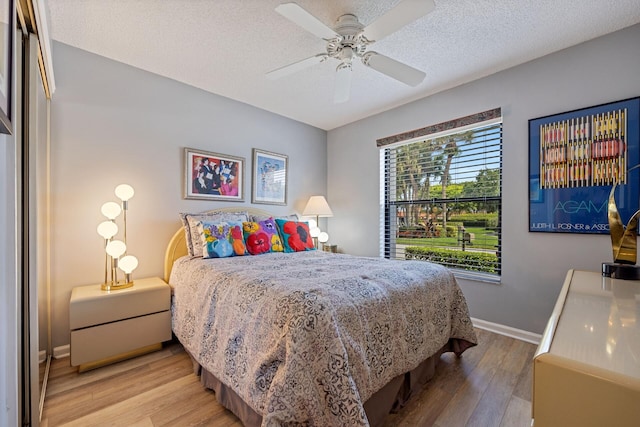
(213, 176)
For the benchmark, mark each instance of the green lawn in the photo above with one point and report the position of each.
(483, 239)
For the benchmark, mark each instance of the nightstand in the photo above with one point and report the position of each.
(109, 326)
(330, 248)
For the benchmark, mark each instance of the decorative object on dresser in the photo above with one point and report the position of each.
(116, 250)
(586, 371)
(213, 176)
(107, 327)
(317, 206)
(270, 172)
(623, 243)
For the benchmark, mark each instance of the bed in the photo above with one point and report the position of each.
(311, 337)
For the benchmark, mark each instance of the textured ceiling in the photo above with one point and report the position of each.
(226, 46)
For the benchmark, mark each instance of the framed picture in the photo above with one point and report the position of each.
(213, 176)
(575, 159)
(6, 43)
(269, 178)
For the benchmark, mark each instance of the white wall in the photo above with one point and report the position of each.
(534, 264)
(114, 124)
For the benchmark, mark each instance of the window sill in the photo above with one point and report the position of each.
(476, 276)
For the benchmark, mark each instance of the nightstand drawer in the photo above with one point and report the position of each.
(92, 306)
(112, 339)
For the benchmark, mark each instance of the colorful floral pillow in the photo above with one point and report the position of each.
(221, 239)
(259, 217)
(295, 236)
(192, 232)
(262, 237)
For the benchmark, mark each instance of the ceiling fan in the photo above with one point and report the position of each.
(350, 39)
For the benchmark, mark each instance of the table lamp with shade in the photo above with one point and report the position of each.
(317, 206)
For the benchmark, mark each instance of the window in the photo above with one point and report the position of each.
(441, 195)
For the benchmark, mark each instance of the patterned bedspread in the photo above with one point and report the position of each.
(307, 337)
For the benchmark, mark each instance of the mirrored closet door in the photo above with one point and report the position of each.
(31, 128)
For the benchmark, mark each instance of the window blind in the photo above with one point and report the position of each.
(441, 197)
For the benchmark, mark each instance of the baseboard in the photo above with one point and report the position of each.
(62, 351)
(42, 356)
(508, 331)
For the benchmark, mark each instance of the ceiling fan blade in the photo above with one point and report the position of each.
(295, 67)
(304, 19)
(402, 14)
(342, 84)
(394, 69)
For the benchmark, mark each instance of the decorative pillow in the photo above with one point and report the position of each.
(221, 239)
(295, 236)
(258, 218)
(262, 237)
(192, 234)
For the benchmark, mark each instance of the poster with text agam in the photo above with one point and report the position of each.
(575, 159)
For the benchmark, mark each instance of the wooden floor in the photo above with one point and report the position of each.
(490, 385)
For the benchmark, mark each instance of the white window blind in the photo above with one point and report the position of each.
(441, 195)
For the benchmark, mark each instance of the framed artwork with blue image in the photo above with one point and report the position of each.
(575, 159)
(270, 172)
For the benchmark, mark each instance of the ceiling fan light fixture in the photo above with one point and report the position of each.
(346, 55)
(349, 39)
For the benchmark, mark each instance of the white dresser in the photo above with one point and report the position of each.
(586, 371)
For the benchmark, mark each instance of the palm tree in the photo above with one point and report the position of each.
(450, 148)
(415, 164)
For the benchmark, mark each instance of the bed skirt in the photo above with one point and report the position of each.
(388, 399)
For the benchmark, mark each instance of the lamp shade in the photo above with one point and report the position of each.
(107, 229)
(115, 248)
(317, 206)
(323, 237)
(128, 263)
(124, 192)
(111, 210)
